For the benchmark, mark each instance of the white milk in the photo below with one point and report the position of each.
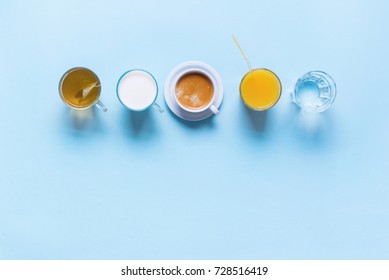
(137, 90)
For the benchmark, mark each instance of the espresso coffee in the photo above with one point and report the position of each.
(194, 91)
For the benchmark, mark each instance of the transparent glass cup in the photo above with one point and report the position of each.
(80, 89)
(314, 92)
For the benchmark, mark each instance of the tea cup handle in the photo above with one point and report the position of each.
(101, 106)
(214, 109)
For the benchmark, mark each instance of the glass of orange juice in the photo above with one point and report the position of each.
(260, 89)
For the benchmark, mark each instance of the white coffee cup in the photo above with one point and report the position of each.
(210, 105)
(137, 90)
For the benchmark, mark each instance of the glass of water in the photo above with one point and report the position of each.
(314, 92)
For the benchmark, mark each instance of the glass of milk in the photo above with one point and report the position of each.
(137, 90)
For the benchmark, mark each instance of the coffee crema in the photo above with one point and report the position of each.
(194, 91)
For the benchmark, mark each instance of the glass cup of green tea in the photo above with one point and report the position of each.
(80, 89)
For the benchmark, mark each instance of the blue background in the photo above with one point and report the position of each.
(241, 185)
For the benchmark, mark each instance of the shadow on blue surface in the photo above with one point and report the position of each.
(206, 123)
(83, 123)
(257, 119)
(139, 124)
(312, 129)
(255, 125)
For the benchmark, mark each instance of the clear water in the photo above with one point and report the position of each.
(308, 93)
(314, 92)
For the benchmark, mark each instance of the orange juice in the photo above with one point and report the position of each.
(260, 89)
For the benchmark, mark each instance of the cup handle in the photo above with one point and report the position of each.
(157, 107)
(101, 106)
(214, 109)
(292, 96)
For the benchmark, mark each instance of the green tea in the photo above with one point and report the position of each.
(80, 87)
